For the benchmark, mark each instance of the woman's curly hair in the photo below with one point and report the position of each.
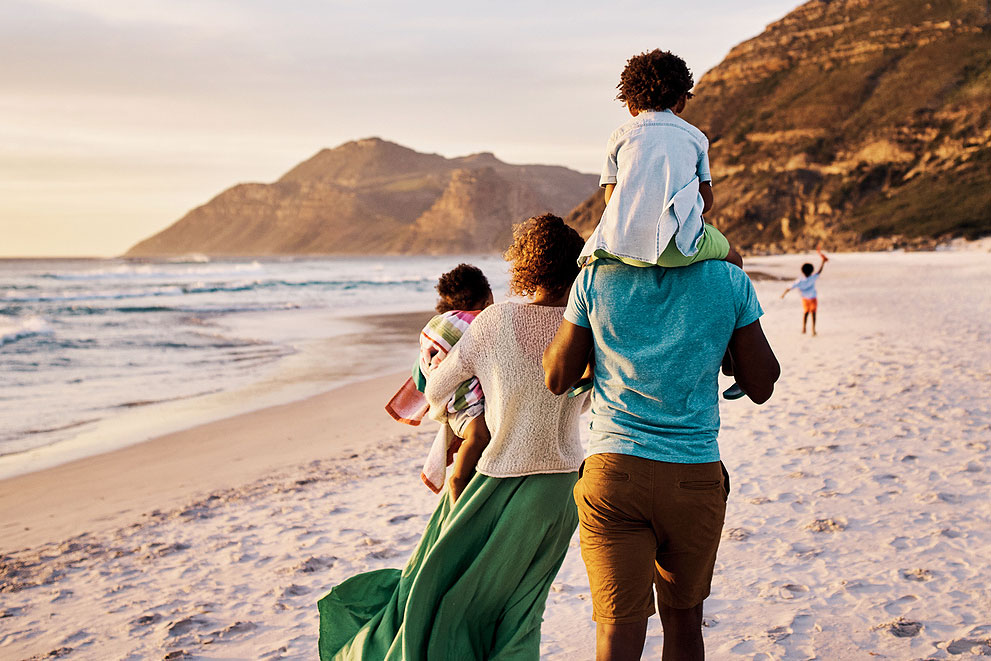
(464, 287)
(544, 255)
(654, 80)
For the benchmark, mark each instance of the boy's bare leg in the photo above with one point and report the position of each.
(682, 633)
(734, 258)
(813, 322)
(620, 642)
(476, 435)
(805, 319)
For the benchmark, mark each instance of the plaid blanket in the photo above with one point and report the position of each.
(409, 405)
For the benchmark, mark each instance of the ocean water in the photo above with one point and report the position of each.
(96, 354)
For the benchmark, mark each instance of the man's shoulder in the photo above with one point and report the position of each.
(605, 275)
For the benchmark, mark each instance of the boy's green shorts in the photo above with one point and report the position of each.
(712, 246)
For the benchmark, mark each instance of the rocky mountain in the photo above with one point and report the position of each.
(374, 196)
(850, 123)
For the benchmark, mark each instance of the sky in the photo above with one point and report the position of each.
(119, 116)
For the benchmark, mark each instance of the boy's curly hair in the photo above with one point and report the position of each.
(654, 80)
(464, 287)
(544, 255)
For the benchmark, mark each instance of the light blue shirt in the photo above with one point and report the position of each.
(807, 286)
(656, 160)
(660, 335)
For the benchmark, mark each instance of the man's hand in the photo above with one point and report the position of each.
(567, 357)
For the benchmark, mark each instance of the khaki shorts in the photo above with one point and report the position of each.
(460, 419)
(645, 523)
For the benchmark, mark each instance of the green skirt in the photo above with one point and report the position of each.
(475, 586)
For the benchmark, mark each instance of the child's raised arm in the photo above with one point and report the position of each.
(823, 262)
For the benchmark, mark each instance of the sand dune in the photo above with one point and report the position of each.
(859, 523)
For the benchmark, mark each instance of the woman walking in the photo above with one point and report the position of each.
(477, 582)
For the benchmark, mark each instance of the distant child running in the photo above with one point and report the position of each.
(656, 177)
(464, 292)
(807, 287)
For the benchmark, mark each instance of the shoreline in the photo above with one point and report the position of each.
(304, 372)
(118, 486)
(857, 522)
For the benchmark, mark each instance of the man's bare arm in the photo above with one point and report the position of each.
(607, 191)
(566, 358)
(755, 367)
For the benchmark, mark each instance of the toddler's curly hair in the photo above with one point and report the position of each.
(544, 255)
(654, 80)
(464, 287)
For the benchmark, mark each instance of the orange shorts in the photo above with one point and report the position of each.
(810, 304)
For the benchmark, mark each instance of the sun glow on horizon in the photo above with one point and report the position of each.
(116, 118)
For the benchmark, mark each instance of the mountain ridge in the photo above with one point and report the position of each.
(373, 196)
(850, 124)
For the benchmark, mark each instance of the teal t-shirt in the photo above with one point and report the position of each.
(660, 335)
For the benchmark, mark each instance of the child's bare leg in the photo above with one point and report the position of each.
(733, 257)
(476, 439)
(805, 319)
(813, 322)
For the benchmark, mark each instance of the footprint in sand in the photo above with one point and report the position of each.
(900, 543)
(310, 565)
(736, 534)
(970, 646)
(805, 551)
(235, 629)
(900, 627)
(900, 605)
(827, 525)
(916, 574)
(782, 590)
(145, 620)
(402, 517)
(186, 625)
(295, 591)
(57, 653)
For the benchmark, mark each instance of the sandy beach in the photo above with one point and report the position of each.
(859, 525)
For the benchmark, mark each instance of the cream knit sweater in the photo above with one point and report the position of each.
(533, 430)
